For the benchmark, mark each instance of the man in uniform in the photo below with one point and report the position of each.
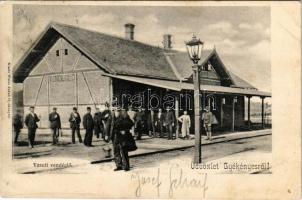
(55, 125)
(31, 120)
(98, 124)
(88, 126)
(75, 120)
(18, 125)
(207, 122)
(169, 122)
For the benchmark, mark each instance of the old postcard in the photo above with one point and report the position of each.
(184, 100)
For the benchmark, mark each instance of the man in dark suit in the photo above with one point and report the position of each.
(150, 123)
(159, 122)
(88, 126)
(140, 122)
(18, 125)
(31, 120)
(75, 120)
(169, 122)
(55, 125)
(98, 124)
(121, 130)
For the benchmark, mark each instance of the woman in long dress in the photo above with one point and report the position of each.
(186, 124)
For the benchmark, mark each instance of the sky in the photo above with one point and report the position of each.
(241, 35)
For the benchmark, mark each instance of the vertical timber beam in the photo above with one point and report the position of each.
(262, 112)
(23, 96)
(62, 55)
(233, 115)
(76, 89)
(48, 93)
(177, 115)
(110, 92)
(221, 111)
(249, 111)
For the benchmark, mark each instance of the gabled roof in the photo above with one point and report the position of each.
(113, 54)
(183, 64)
(120, 56)
(184, 67)
(240, 83)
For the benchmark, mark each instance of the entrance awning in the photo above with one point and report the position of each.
(178, 86)
(171, 85)
(227, 90)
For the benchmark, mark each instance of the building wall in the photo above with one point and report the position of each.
(64, 78)
(227, 111)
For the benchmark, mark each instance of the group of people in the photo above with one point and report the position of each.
(153, 123)
(99, 124)
(118, 126)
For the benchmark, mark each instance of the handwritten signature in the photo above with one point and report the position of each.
(144, 181)
(177, 181)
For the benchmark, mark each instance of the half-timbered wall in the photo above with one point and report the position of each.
(64, 78)
(208, 76)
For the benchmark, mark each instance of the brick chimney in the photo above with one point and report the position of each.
(167, 41)
(129, 31)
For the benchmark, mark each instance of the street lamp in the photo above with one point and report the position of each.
(194, 48)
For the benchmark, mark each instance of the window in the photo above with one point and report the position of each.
(57, 53)
(66, 51)
(209, 66)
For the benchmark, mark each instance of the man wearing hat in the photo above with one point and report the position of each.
(55, 125)
(107, 118)
(18, 125)
(98, 124)
(88, 125)
(75, 120)
(208, 119)
(31, 120)
(140, 121)
(159, 121)
(169, 122)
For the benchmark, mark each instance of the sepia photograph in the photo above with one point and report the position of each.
(111, 83)
(140, 92)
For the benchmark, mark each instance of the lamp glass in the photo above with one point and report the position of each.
(194, 48)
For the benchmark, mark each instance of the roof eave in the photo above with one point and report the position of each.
(49, 27)
(27, 53)
(84, 51)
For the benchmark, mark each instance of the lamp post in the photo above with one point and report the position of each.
(194, 48)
